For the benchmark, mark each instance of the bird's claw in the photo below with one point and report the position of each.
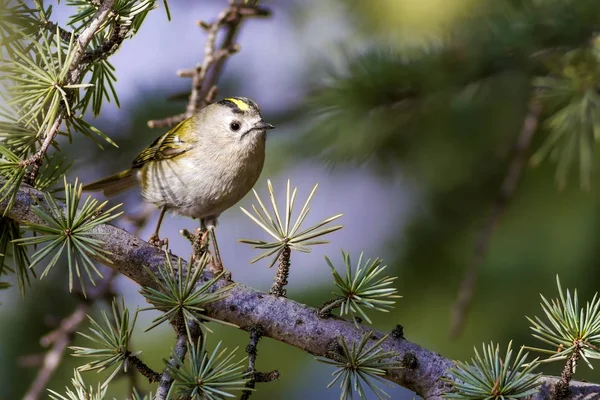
(157, 242)
(216, 266)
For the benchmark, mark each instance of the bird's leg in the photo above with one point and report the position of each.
(203, 234)
(154, 239)
(217, 266)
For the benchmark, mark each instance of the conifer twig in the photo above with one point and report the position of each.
(283, 271)
(144, 369)
(256, 333)
(181, 348)
(283, 320)
(76, 73)
(561, 389)
(507, 190)
(205, 76)
(53, 27)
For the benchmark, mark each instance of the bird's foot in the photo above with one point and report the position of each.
(203, 235)
(156, 241)
(216, 266)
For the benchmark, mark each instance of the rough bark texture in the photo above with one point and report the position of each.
(286, 320)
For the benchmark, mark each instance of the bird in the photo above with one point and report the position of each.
(200, 168)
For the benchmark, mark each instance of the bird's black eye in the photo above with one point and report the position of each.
(235, 126)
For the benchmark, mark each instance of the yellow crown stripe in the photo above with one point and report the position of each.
(242, 105)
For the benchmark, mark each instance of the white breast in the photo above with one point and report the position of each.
(205, 183)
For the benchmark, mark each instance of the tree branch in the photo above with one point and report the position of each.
(507, 190)
(75, 74)
(59, 339)
(282, 319)
(62, 337)
(204, 76)
(166, 381)
(106, 48)
(144, 369)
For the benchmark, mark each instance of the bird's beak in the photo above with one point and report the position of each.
(262, 125)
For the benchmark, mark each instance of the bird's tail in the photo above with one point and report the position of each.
(113, 184)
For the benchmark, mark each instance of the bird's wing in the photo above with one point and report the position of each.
(169, 145)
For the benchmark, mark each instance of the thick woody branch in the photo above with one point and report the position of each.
(283, 319)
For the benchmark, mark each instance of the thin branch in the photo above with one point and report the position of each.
(62, 337)
(326, 309)
(85, 38)
(561, 389)
(181, 347)
(205, 76)
(282, 319)
(145, 370)
(65, 35)
(59, 339)
(507, 190)
(256, 334)
(106, 48)
(75, 74)
(283, 271)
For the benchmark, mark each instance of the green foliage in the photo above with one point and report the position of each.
(128, 15)
(207, 376)
(181, 292)
(139, 396)
(365, 288)
(125, 12)
(111, 339)
(78, 124)
(9, 232)
(18, 19)
(16, 136)
(103, 78)
(70, 229)
(358, 364)
(492, 377)
(79, 391)
(286, 232)
(50, 173)
(43, 73)
(569, 329)
(12, 171)
(385, 104)
(572, 106)
(40, 78)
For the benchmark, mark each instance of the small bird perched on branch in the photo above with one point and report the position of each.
(201, 167)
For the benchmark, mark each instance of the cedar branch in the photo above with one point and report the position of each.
(282, 319)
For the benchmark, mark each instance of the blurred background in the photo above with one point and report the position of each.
(415, 168)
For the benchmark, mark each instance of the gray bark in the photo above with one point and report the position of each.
(283, 319)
